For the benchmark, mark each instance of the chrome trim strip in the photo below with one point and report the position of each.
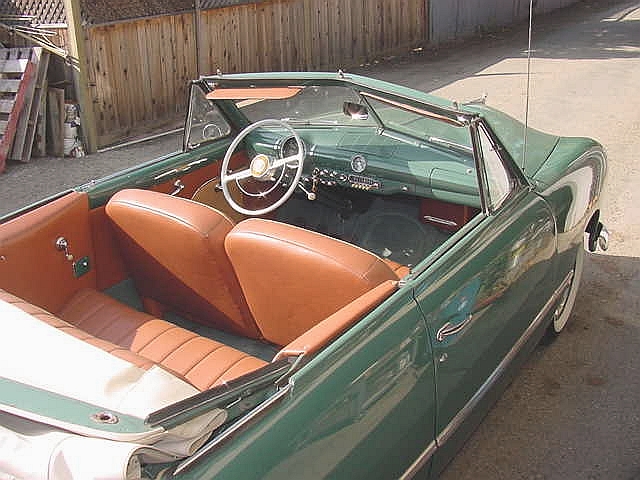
(442, 221)
(222, 437)
(460, 417)
(420, 462)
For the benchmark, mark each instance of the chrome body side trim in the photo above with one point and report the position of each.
(222, 437)
(455, 423)
(420, 462)
(461, 416)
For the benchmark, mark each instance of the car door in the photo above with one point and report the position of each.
(482, 295)
(362, 408)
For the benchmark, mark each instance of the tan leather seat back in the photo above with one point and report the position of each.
(174, 249)
(294, 278)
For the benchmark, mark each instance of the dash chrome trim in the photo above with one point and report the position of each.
(449, 223)
(461, 416)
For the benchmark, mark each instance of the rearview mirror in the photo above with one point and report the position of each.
(355, 110)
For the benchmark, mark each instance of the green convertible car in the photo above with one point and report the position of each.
(333, 279)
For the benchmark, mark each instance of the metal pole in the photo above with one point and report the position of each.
(198, 39)
(526, 112)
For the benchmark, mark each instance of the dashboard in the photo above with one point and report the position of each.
(375, 161)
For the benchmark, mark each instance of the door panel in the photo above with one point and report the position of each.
(362, 408)
(502, 276)
(31, 267)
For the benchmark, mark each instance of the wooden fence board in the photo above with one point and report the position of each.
(140, 70)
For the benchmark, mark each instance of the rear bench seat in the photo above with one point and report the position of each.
(143, 340)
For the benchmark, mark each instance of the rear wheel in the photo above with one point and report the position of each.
(567, 298)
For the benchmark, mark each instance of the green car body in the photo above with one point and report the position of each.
(397, 394)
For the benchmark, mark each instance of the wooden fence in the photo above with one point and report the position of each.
(139, 70)
(139, 73)
(309, 34)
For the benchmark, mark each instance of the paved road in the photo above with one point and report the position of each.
(573, 412)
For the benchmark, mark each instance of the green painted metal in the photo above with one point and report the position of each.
(371, 387)
(381, 394)
(501, 274)
(145, 175)
(60, 409)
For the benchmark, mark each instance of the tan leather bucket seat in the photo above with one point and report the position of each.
(174, 250)
(294, 278)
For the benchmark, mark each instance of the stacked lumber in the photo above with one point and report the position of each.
(23, 76)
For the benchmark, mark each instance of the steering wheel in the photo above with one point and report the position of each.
(262, 168)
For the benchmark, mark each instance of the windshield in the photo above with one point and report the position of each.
(326, 105)
(313, 105)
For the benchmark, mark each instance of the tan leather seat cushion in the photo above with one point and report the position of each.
(293, 278)
(46, 317)
(202, 361)
(142, 340)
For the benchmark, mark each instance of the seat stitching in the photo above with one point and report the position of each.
(162, 213)
(169, 327)
(177, 346)
(118, 317)
(244, 356)
(197, 337)
(316, 251)
(204, 358)
(133, 329)
(88, 314)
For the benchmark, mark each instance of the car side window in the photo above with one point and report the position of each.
(499, 181)
(205, 122)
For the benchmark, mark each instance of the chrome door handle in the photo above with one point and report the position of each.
(451, 329)
(179, 187)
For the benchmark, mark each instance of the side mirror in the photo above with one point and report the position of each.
(355, 110)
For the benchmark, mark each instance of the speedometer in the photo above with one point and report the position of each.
(289, 148)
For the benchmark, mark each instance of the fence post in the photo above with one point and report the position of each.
(79, 67)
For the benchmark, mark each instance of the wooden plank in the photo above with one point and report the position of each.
(41, 81)
(55, 122)
(20, 138)
(10, 129)
(76, 46)
(13, 66)
(9, 86)
(40, 141)
(6, 105)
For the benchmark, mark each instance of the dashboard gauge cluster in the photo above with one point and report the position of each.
(332, 177)
(289, 147)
